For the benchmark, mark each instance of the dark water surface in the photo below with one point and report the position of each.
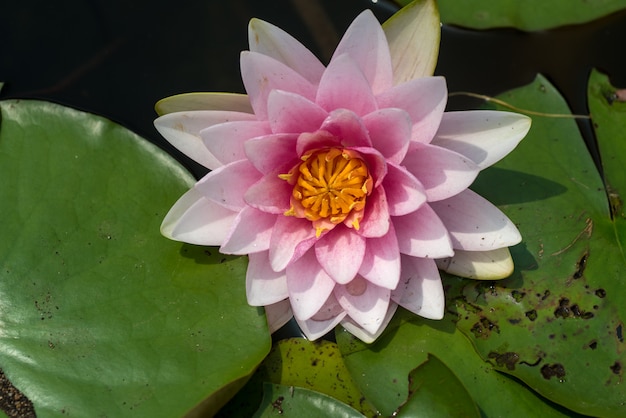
(116, 58)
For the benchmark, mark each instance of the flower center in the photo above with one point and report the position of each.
(330, 186)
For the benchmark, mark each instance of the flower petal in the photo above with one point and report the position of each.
(376, 221)
(443, 173)
(226, 140)
(344, 86)
(182, 129)
(424, 99)
(264, 286)
(381, 263)
(413, 34)
(405, 194)
(365, 42)
(482, 265)
(272, 152)
(309, 286)
(484, 136)
(196, 220)
(291, 238)
(364, 335)
(420, 290)
(186, 102)
(270, 40)
(292, 113)
(348, 127)
(228, 184)
(340, 252)
(250, 233)
(262, 74)
(390, 132)
(278, 314)
(364, 302)
(423, 234)
(270, 194)
(475, 224)
(324, 320)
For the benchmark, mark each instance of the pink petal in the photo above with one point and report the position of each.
(381, 263)
(375, 162)
(405, 194)
(324, 320)
(278, 314)
(270, 194)
(270, 40)
(271, 152)
(424, 99)
(228, 184)
(484, 136)
(376, 221)
(196, 220)
(308, 141)
(340, 252)
(365, 42)
(363, 334)
(364, 302)
(226, 140)
(344, 86)
(348, 127)
(443, 173)
(291, 238)
(390, 132)
(264, 286)
(423, 234)
(250, 233)
(182, 129)
(475, 224)
(309, 286)
(262, 74)
(291, 113)
(420, 290)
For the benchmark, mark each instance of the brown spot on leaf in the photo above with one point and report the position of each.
(508, 359)
(484, 327)
(553, 370)
(532, 315)
(616, 368)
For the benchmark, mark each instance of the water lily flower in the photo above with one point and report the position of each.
(344, 183)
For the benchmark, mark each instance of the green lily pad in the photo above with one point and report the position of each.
(427, 399)
(381, 370)
(526, 15)
(557, 323)
(289, 401)
(100, 314)
(300, 363)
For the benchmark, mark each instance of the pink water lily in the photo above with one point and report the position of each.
(346, 185)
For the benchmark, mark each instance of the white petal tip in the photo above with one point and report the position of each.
(481, 265)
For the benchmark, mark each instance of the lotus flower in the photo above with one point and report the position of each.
(346, 185)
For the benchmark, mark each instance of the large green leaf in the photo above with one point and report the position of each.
(300, 363)
(382, 369)
(557, 323)
(527, 14)
(100, 314)
(427, 399)
(289, 401)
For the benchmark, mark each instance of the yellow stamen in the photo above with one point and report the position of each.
(329, 185)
